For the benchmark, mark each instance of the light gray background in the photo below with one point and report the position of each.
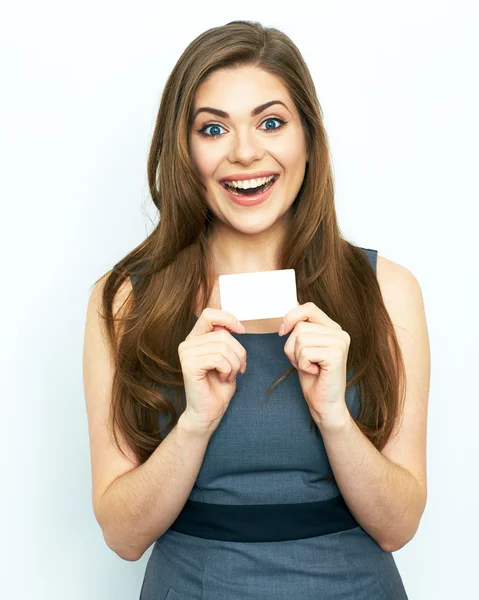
(81, 83)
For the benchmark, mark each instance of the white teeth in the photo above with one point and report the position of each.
(249, 183)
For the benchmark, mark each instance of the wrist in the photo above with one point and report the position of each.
(333, 420)
(190, 425)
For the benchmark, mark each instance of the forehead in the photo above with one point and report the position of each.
(237, 91)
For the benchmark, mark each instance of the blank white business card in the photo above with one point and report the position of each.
(259, 295)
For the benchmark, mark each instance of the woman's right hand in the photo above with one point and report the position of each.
(210, 360)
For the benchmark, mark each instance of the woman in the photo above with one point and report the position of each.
(302, 495)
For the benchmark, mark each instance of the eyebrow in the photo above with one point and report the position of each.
(224, 115)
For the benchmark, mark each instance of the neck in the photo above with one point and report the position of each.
(237, 252)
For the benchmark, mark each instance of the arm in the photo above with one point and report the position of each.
(387, 491)
(133, 503)
(139, 506)
(385, 499)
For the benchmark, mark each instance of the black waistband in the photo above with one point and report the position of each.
(264, 522)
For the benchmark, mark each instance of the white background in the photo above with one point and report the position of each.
(81, 84)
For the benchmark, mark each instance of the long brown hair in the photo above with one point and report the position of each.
(174, 263)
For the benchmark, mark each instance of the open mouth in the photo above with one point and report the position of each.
(254, 191)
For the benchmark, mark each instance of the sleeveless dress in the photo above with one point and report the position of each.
(261, 522)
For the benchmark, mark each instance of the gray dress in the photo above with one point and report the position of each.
(261, 522)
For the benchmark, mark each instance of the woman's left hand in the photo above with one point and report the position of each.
(318, 348)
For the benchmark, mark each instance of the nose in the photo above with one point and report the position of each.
(245, 148)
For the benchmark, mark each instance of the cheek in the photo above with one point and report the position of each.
(204, 159)
(289, 149)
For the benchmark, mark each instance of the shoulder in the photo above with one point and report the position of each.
(399, 287)
(119, 304)
(122, 295)
(389, 271)
(402, 294)
(390, 274)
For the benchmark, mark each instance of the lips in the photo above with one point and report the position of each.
(243, 176)
(250, 200)
(225, 185)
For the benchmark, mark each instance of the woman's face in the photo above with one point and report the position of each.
(272, 140)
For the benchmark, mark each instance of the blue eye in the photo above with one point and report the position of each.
(205, 127)
(202, 131)
(274, 128)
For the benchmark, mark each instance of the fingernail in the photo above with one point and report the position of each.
(242, 326)
(281, 329)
